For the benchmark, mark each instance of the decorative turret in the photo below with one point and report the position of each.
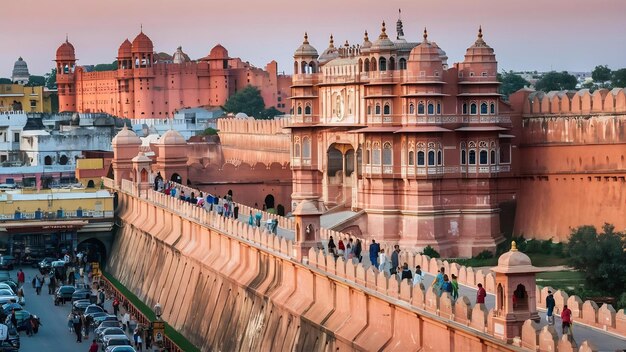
(330, 53)
(425, 61)
(305, 58)
(125, 55)
(171, 158)
(66, 64)
(383, 43)
(399, 26)
(125, 147)
(480, 60)
(307, 223)
(142, 51)
(365, 47)
(20, 73)
(515, 293)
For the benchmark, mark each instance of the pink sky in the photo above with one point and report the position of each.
(530, 34)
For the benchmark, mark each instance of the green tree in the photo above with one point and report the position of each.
(601, 74)
(5, 81)
(51, 79)
(106, 67)
(270, 113)
(511, 83)
(601, 257)
(248, 101)
(209, 131)
(36, 81)
(618, 79)
(556, 81)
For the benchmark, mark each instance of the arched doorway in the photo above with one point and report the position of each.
(269, 202)
(63, 160)
(520, 298)
(280, 210)
(339, 173)
(176, 178)
(94, 249)
(47, 160)
(91, 184)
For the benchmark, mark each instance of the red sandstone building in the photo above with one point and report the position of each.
(151, 85)
(423, 147)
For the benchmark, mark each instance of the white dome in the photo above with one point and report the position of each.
(241, 115)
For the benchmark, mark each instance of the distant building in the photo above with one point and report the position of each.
(17, 97)
(20, 72)
(150, 85)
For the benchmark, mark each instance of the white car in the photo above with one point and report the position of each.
(4, 286)
(7, 296)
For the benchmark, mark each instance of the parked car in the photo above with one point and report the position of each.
(6, 287)
(115, 340)
(5, 275)
(7, 308)
(97, 320)
(81, 294)
(11, 284)
(7, 262)
(92, 308)
(109, 331)
(6, 296)
(79, 306)
(64, 294)
(120, 349)
(107, 324)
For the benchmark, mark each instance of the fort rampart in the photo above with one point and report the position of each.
(228, 286)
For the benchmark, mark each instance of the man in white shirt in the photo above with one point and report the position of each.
(418, 277)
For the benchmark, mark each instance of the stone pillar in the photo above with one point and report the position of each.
(307, 227)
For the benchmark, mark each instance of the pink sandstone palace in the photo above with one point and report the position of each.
(422, 152)
(150, 85)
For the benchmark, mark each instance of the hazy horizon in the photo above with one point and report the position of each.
(573, 35)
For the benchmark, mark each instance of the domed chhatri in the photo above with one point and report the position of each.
(125, 50)
(20, 73)
(514, 262)
(142, 44)
(126, 137)
(172, 137)
(306, 49)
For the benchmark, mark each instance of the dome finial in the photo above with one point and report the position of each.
(306, 38)
(425, 35)
(141, 27)
(366, 38)
(383, 32)
(513, 246)
(480, 31)
(332, 42)
(67, 38)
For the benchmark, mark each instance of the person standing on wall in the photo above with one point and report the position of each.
(374, 250)
(550, 303)
(331, 246)
(566, 321)
(418, 277)
(480, 294)
(395, 262)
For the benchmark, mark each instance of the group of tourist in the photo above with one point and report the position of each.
(347, 248)
(566, 314)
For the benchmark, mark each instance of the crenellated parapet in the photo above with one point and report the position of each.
(581, 102)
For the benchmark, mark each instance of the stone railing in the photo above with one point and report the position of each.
(244, 210)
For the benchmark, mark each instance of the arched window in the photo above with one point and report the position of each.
(392, 64)
(376, 154)
(307, 109)
(411, 109)
(295, 67)
(312, 67)
(492, 109)
(483, 109)
(420, 108)
(306, 147)
(369, 109)
(382, 64)
(296, 149)
(493, 157)
(464, 108)
(431, 157)
(431, 108)
(402, 64)
(439, 158)
(299, 109)
(483, 157)
(373, 64)
(63, 160)
(360, 65)
(473, 109)
(387, 154)
(438, 108)
(47, 160)
(303, 67)
(420, 158)
(463, 156)
(386, 109)
(472, 157)
(366, 65)
(411, 158)
(368, 159)
(377, 110)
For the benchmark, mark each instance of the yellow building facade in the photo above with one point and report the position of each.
(16, 97)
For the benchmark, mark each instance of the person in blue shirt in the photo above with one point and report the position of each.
(374, 250)
(446, 286)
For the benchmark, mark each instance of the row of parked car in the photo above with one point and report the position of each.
(9, 302)
(107, 328)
